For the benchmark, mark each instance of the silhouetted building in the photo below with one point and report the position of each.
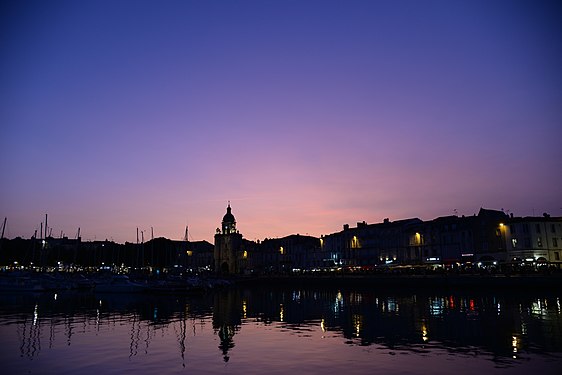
(228, 246)
(369, 245)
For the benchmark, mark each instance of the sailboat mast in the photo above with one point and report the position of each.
(4, 227)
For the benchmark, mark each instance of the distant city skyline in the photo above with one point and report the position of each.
(304, 115)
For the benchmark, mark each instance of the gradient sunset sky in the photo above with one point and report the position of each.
(304, 114)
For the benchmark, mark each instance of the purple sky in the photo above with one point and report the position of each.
(304, 114)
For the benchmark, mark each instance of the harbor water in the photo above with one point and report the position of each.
(282, 330)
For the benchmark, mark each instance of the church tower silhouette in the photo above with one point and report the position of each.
(228, 243)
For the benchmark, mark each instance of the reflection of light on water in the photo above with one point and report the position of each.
(514, 345)
(297, 296)
(558, 305)
(338, 303)
(499, 308)
(356, 298)
(392, 305)
(55, 296)
(244, 309)
(357, 322)
(323, 325)
(538, 307)
(425, 338)
(35, 314)
(281, 312)
(436, 306)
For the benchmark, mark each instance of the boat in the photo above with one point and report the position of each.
(118, 284)
(16, 283)
(176, 285)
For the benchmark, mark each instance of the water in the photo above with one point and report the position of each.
(281, 331)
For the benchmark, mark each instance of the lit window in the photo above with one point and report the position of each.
(514, 242)
(539, 242)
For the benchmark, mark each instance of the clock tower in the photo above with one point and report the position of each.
(228, 243)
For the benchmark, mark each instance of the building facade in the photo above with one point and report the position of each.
(533, 240)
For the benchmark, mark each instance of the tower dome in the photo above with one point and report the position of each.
(228, 222)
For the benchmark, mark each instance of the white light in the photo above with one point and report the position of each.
(35, 315)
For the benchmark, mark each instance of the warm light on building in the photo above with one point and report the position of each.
(417, 239)
(245, 254)
(355, 242)
(189, 253)
(281, 250)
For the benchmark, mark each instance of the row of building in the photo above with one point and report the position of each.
(489, 239)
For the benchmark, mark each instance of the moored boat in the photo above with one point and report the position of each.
(119, 284)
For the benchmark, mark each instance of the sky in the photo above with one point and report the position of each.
(305, 115)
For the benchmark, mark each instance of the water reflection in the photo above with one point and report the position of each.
(505, 328)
